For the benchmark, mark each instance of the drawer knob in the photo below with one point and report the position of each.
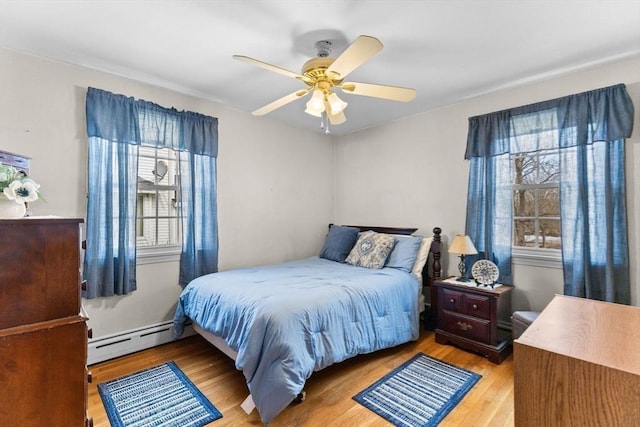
(465, 326)
(451, 300)
(475, 306)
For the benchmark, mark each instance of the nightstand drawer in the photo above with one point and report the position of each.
(452, 300)
(467, 327)
(477, 306)
(470, 304)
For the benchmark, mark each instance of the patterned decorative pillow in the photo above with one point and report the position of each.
(371, 250)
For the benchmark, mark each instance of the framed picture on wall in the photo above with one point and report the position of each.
(16, 160)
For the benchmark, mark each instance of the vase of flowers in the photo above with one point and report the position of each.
(15, 190)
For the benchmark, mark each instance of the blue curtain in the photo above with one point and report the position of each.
(489, 212)
(116, 126)
(199, 207)
(588, 130)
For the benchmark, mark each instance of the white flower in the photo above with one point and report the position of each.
(14, 185)
(22, 191)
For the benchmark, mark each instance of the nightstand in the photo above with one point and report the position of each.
(467, 316)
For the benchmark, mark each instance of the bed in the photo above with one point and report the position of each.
(282, 322)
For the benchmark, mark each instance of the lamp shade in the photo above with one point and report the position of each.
(313, 112)
(336, 104)
(462, 245)
(315, 106)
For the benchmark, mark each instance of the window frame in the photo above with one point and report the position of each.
(535, 256)
(159, 253)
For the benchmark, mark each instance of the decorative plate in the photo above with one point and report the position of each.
(485, 272)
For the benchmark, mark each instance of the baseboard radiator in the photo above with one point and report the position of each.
(131, 341)
(504, 325)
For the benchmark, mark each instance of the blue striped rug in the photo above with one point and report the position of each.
(160, 396)
(419, 393)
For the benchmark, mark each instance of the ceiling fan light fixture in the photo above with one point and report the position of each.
(315, 106)
(313, 112)
(323, 74)
(336, 104)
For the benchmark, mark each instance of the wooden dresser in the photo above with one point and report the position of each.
(43, 338)
(578, 364)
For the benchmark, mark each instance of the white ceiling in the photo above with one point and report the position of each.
(448, 50)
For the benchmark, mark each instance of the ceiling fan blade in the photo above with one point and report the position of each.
(359, 52)
(280, 102)
(393, 93)
(337, 119)
(267, 66)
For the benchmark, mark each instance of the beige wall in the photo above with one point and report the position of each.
(412, 172)
(278, 187)
(275, 183)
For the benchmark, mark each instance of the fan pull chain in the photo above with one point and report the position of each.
(324, 123)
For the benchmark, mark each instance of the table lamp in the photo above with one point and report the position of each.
(464, 246)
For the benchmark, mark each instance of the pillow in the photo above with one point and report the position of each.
(404, 253)
(371, 250)
(339, 242)
(423, 254)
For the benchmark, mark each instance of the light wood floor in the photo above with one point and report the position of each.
(329, 392)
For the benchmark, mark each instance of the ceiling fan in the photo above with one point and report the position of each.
(323, 74)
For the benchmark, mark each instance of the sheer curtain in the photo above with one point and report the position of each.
(588, 131)
(116, 126)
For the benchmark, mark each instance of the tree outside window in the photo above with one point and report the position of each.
(536, 202)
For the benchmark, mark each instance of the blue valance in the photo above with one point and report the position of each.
(123, 119)
(604, 114)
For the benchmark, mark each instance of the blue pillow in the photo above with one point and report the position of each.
(404, 253)
(339, 242)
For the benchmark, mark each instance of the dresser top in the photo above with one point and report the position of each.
(472, 287)
(594, 331)
(40, 220)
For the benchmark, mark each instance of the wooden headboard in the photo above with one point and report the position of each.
(432, 269)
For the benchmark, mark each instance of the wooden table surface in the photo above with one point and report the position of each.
(594, 331)
(578, 364)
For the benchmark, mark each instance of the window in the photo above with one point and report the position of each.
(133, 208)
(157, 216)
(536, 200)
(549, 178)
(535, 189)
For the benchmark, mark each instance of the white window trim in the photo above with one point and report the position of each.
(537, 257)
(157, 254)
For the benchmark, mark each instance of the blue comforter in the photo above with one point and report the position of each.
(288, 320)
